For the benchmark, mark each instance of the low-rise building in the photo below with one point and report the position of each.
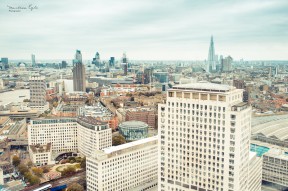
(41, 154)
(144, 114)
(124, 167)
(275, 165)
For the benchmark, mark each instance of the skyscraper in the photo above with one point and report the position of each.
(125, 64)
(226, 64)
(4, 63)
(96, 60)
(38, 93)
(211, 67)
(112, 62)
(79, 83)
(33, 60)
(204, 144)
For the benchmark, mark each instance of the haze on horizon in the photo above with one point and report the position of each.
(145, 30)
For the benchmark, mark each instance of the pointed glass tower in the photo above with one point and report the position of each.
(211, 57)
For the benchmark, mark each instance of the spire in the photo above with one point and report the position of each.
(211, 57)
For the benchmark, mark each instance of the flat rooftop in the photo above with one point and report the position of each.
(205, 86)
(114, 149)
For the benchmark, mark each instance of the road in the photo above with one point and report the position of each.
(79, 177)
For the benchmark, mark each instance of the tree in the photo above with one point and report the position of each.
(55, 104)
(118, 140)
(34, 180)
(72, 159)
(70, 170)
(75, 187)
(29, 164)
(83, 163)
(45, 169)
(16, 161)
(37, 171)
(22, 168)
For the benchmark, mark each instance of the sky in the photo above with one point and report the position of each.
(145, 29)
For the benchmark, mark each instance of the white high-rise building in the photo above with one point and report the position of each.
(129, 167)
(204, 144)
(38, 93)
(93, 135)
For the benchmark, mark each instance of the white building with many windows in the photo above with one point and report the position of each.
(204, 131)
(60, 132)
(37, 85)
(83, 134)
(93, 135)
(127, 167)
(275, 168)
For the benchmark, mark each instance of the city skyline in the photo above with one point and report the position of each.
(150, 30)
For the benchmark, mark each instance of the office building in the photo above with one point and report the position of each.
(92, 135)
(79, 82)
(133, 130)
(131, 166)
(4, 65)
(41, 154)
(84, 134)
(275, 164)
(144, 114)
(125, 64)
(226, 64)
(38, 93)
(33, 60)
(211, 66)
(112, 62)
(204, 143)
(61, 132)
(96, 60)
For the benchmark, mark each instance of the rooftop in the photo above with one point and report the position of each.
(91, 120)
(204, 86)
(133, 124)
(115, 149)
(277, 129)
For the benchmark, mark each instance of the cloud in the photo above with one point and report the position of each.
(173, 29)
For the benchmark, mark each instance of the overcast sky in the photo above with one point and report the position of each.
(145, 29)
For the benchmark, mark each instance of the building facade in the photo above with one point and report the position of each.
(144, 114)
(275, 165)
(38, 93)
(60, 132)
(92, 135)
(204, 134)
(124, 167)
(133, 130)
(79, 82)
(82, 134)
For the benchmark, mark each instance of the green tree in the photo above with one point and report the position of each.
(118, 140)
(45, 169)
(37, 171)
(16, 161)
(72, 159)
(55, 104)
(75, 187)
(22, 168)
(83, 163)
(34, 180)
(29, 164)
(70, 170)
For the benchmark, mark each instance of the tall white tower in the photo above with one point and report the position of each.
(204, 144)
